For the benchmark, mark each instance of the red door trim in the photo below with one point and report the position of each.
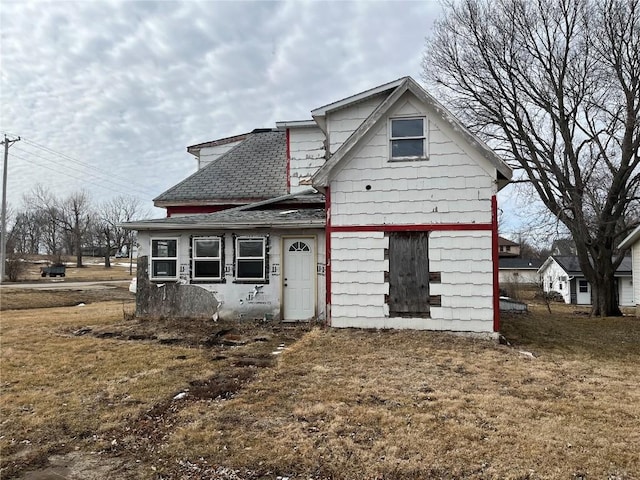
(496, 264)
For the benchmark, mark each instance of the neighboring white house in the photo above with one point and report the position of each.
(562, 274)
(405, 235)
(519, 270)
(632, 242)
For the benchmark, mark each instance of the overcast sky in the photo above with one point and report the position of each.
(107, 95)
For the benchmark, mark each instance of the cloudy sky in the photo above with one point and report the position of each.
(107, 95)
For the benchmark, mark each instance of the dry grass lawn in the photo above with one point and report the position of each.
(91, 271)
(340, 404)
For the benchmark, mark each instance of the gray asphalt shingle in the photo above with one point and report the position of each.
(254, 169)
(309, 217)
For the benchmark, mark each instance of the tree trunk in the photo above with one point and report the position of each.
(605, 299)
(107, 249)
(78, 247)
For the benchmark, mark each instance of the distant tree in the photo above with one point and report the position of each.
(554, 86)
(23, 238)
(75, 220)
(111, 215)
(530, 250)
(42, 216)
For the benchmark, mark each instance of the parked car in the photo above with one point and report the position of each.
(121, 255)
(57, 269)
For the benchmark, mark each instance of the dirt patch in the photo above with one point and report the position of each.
(76, 465)
(199, 333)
(231, 355)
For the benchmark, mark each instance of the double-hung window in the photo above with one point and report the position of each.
(250, 258)
(164, 259)
(206, 258)
(408, 139)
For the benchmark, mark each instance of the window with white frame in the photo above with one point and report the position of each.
(583, 286)
(407, 138)
(250, 258)
(164, 259)
(206, 261)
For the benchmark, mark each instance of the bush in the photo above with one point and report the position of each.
(14, 267)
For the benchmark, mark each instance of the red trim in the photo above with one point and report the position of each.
(496, 265)
(412, 228)
(288, 135)
(327, 254)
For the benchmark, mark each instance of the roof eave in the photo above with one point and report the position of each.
(359, 97)
(630, 239)
(204, 202)
(296, 124)
(223, 226)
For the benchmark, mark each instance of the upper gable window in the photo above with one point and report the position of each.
(408, 138)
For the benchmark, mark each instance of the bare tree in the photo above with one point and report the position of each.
(76, 220)
(554, 86)
(43, 214)
(112, 214)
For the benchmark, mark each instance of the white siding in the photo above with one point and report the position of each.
(209, 154)
(306, 150)
(556, 279)
(358, 286)
(625, 289)
(452, 186)
(342, 123)
(239, 300)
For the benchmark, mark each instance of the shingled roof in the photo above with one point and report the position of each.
(237, 218)
(253, 170)
(571, 265)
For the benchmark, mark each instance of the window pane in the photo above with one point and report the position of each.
(164, 268)
(250, 248)
(407, 128)
(407, 148)
(250, 269)
(163, 248)
(207, 248)
(207, 269)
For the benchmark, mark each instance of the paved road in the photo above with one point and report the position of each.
(64, 285)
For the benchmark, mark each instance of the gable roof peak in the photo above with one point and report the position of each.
(398, 89)
(359, 97)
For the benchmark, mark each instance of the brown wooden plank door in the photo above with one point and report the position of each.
(409, 274)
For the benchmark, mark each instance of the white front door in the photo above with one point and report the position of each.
(298, 280)
(583, 295)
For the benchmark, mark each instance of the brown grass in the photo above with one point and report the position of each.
(22, 298)
(91, 271)
(346, 404)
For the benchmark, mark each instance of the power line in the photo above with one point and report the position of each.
(84, 180)
(117, 184)
(110, 176)
(74, 160)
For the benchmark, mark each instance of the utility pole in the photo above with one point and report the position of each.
(3, 249)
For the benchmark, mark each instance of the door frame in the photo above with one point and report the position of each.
(314, 240)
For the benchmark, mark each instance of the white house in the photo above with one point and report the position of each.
(632, 242)
(562, 274)
(379, 212)
(519, 270)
